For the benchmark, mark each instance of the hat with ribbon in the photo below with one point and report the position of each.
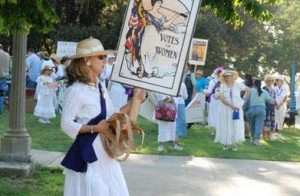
(229, 72)
(90, 47)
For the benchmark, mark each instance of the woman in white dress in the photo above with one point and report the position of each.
(281, 97)
(166, 129)
(89, 170)
(229, 130)
(213, 99)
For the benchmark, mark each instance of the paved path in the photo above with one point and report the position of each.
(154, 175)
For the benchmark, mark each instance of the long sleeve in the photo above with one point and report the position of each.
(70, 109)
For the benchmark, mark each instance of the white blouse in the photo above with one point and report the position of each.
(280, 93)
(81, 104)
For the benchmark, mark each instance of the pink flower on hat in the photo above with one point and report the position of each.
(218, 70)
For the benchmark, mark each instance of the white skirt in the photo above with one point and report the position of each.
(104, 177)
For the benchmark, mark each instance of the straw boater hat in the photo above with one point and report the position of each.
(229, 72)
(55, 58)
(90, 47)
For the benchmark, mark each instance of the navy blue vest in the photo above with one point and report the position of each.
(82, 151)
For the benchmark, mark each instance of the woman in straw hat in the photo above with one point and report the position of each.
(230, 128)
(45, 108)
(89, 169)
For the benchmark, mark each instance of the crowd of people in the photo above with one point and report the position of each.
(244, 108)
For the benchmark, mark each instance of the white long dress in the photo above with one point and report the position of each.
(280, 94)
(45, 107)
(213, 105)
(230, 131)
(166, 130)
(103, 177)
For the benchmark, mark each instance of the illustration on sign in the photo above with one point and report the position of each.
(198, 51)
(154, 44)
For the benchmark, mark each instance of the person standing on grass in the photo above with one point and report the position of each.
(190, 83)
(249, 83)
(166, 129)
(257, 110)
(213, 99)
(33, 68)
(181, 129)
(269, 123)
(230, 128)
(281, 96)
(89, 170)
(44, 108)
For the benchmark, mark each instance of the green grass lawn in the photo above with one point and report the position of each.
(43, 181)
(199, 142)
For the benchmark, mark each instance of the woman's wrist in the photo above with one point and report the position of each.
(91, 129)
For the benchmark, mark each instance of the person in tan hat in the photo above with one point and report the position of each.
(89, 169)
(230, 128)
(45, 108)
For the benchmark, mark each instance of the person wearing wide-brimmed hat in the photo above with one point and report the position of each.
(281, 94)
(230, 127)
(45, 107)
(89, 169)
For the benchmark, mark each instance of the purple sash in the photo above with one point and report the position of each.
(208, 97)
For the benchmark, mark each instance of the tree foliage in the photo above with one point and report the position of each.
(21, 16)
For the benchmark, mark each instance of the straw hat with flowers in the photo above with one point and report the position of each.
(90, 47)
(228, 72)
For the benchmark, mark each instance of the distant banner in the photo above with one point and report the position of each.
(198, 51)
(154, 44)
(195, 111)
(66, 48)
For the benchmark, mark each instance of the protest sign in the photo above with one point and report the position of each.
(154, 44)
(198, 51)
(195, 111)
(66, 48)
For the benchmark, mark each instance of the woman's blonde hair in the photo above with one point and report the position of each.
(268, 77)
(77, 71)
